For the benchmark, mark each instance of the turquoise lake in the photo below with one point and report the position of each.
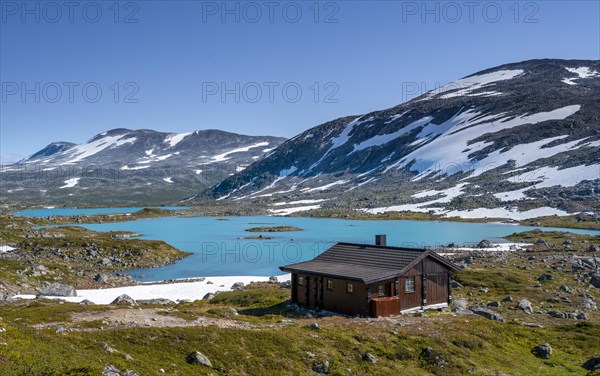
(218, 247)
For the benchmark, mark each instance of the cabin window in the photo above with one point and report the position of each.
(381, 291)
(300, 281)
(329, 284)
(409, 284)
(350, 288)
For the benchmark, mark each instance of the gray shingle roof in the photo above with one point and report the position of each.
(367, 263)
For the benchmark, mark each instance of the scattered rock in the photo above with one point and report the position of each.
(564, 288)
(198, 358)
(540, 242)
(494, 304)
(157, 301)
(314, 326)
(123, 300)
(507, 299)
(558, 314)
(59, 289)
(433, 357)
(487, 313)
(86, 302)
(588, 305)
(545, 277)
(321, 367)
(542, 351)
(368, 357)
(592, 363)
(525, 306)
(105, 346)
(110, 370)
(208, 296)
(484, 289)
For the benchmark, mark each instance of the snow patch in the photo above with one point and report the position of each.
(70, 183)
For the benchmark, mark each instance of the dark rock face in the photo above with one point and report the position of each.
(384, 150)
(59, 289)
(542, 351)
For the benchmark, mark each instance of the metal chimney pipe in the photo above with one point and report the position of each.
(381, 240)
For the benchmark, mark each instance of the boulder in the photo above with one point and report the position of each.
(321, 367)
(558, 314)
(540, 242)
(459, 305)
(86, 302)
(157, 301)
(314, 326)
(198, 358)
(593, 248)
(238, 286)
(485, 244)
(525, 306)
(58, 289)
(494, 304)
(592, 363)
(208, 296)
(456, 285)
(542, 351)
(588, 305)
(123, 300)
(545, 277)
(487, 313)
(564, 288)
(433, 357)
(507, 299)
(595, 280)
(273, 279)
(233, 311)
(368, 357)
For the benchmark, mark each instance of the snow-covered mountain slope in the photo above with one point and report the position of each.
(138, 149)
(142, 163)
(500, 137)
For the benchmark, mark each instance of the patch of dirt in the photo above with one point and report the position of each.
(152, 317)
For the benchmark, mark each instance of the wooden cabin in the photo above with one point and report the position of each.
(372, 280)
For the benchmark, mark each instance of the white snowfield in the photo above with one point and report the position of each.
(175, 138)
(224, 156)
(581, 72)
(70, 183)
(466, 86)
(296, 209)
(175, 291)
(80, 152)
(6, 248)
(502, 213)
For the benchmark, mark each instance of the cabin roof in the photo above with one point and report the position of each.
(367, 263)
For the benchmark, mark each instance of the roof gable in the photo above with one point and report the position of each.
(368, 263)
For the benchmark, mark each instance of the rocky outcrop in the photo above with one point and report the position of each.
(58, 289)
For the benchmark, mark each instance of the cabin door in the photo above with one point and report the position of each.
(437, 288)
(313, 291)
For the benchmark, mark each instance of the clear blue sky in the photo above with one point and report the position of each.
(178, 54)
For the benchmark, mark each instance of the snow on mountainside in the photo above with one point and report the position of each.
(521, 134)
(133, 166)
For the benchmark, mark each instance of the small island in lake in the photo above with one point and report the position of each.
(274, 229)
(259, 237)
